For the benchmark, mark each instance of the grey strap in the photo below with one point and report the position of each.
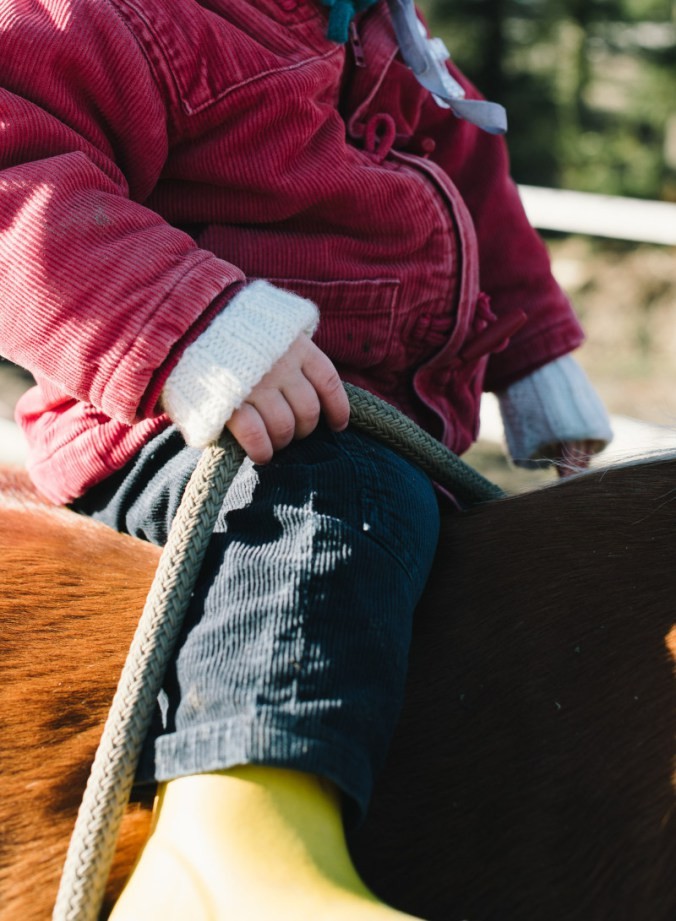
(426, 59)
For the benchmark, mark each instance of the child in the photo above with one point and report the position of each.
(210, 213)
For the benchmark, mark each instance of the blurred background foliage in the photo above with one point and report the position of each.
(589, 86)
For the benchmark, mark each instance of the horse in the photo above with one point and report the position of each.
(532, 772)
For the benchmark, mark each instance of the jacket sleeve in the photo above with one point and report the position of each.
(554, 405)
(96, 291)
(514, 264)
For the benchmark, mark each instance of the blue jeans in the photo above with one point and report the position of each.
(295, 645)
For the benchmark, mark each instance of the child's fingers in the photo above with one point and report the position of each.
(573, 456)
(269, 420)
(287, 402)
(277, 415)
(250, 432)
(321, 373)
(303, 400)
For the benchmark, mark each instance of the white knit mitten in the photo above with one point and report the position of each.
(555, 404)
(219, 369)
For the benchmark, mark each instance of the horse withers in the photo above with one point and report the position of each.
(532, 774)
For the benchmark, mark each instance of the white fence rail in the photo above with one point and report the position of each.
(600, 215)
(13, 449)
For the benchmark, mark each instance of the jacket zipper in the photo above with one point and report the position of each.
(356, 46)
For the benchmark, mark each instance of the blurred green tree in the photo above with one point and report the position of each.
(589, 86)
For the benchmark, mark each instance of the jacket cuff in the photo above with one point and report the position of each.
(554, 404)
(216, 373)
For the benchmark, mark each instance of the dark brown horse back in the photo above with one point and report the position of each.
(532, 775)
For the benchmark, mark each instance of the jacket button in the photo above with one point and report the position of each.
(287, 5)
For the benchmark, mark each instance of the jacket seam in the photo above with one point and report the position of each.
(135, 38)
(169, 76)
(147, 320)
(257, 78)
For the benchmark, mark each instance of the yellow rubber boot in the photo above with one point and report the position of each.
(248, 844)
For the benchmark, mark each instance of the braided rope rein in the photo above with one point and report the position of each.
(92, 845)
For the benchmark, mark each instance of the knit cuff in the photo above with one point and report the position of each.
(220, 368)
(554, 404)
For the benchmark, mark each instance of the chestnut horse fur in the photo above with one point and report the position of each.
(532, 776)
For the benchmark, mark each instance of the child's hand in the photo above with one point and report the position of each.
(287, 402)
(571, 457)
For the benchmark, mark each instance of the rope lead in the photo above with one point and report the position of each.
(379, 419)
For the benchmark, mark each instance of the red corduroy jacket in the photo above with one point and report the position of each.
(157, 154)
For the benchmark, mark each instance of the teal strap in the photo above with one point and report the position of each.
(424, 57)
(341, 14)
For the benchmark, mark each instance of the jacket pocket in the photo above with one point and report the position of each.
(356, 317)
